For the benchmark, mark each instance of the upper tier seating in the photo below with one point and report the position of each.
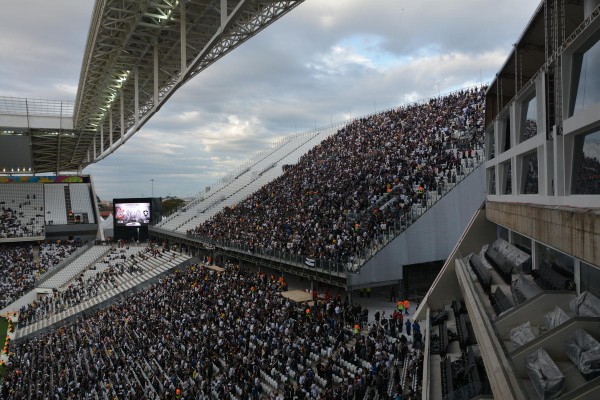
(330, 205)
(21, 210)
(81, 202)
(56, 205)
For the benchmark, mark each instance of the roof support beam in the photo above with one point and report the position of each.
(122, 109)
(209, 29)
(110, 130)
(156, 89)
(182, 25)
(58, 153)
(136, 95)
(223, 12)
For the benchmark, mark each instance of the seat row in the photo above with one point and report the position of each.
(152, 267)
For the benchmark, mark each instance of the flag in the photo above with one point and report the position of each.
(310, 262)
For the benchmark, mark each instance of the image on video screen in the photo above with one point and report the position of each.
(132, 214)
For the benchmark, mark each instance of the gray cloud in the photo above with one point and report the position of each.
(325, 61)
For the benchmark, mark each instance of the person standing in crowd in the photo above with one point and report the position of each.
(406, 304)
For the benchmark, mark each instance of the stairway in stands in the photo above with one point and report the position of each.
(70, 216)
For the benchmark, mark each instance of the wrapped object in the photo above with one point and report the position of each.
(521, 335)
(584, 351)
(555, 318)
(512, 255)
(524, 289)
(586, 305)
(545, 376)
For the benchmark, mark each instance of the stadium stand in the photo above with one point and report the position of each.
(541, 339)
(345, 193)
(119, 270)
(21, 210)
(20, 268)
(52, 254)
(186, 335)
(81, 202)
(56, 205)
(454, 353)
(245, 181)
(69, 272)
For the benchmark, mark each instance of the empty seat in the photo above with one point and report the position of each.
(508, 259)
(586, 305)
(521, 334)
(545, 375)
(554, 318)
(524, 289)
(548, 278)
(500, 302)
(483, 274)
(584, 351)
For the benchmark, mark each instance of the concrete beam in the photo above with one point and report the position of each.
(575, 231)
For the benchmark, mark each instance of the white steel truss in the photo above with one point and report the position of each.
(139, 52)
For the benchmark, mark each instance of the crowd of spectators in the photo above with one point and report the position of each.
(204, 333)
(51, 254)
(100, 277)
(14, 223)
(19, 269)
(329, 205)
(17, 275)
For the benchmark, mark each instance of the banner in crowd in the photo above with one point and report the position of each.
(45, 179)
(310, 262)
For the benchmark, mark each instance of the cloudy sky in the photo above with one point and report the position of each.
(327, 60)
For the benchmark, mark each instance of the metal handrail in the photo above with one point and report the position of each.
(36, 107)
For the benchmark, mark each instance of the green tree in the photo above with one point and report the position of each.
(171, 204)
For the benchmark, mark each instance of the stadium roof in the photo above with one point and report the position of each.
(534, 52)
(138, 53)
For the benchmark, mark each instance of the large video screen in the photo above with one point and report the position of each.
(132, 214)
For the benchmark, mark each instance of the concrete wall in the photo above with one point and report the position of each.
(573, 231)
(432, 237)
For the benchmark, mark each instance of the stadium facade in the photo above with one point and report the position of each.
(532, 253)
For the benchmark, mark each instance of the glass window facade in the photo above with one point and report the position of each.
(492, 180)
(562, 263)
(522, 242)
(586, 164)
(505, 144)
(529, 182)
(490, 145)
(529, 129)
(586, 79)
(589, 279)
(507, 178)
